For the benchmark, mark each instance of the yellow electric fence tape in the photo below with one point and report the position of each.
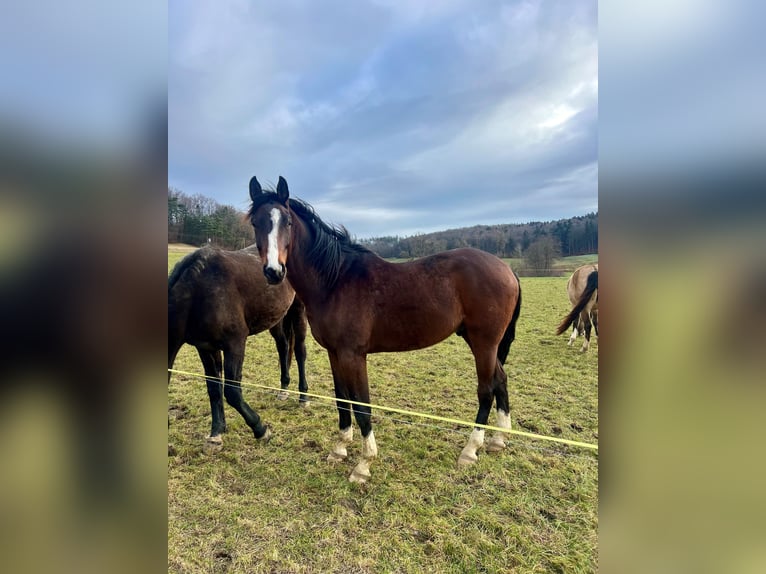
(410, 413)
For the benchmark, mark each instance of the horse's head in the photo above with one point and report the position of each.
(271, 220)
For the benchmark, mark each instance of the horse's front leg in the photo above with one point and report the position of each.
(360, 391)
(350, 373)
(361, 472)
(346, 431)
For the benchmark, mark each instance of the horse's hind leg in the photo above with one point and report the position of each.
(575, 327)
(497, 442)
(173, 347)
(594, 320)
(586, 320)
(486, 362)
(299, 334)
(283, 349)
(211, 361)
(234, 356)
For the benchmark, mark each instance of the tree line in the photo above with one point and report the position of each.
(199, 220)
(565, 237)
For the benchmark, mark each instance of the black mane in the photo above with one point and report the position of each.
(332, 251)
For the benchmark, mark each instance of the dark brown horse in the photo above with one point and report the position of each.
(357, 304)
(216, 299)
(582, 289)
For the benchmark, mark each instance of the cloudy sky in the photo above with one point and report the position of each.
(390, 117)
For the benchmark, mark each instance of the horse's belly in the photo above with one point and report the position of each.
(408, 333)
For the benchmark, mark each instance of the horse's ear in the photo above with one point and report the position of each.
(255, 188)
(283, 194)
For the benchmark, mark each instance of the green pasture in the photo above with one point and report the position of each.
(281, 507)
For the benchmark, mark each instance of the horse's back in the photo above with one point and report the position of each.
(473, 270)
(460, 271)
(421, 302)
(224, 293)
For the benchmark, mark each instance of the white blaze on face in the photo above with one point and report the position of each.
(272, 255)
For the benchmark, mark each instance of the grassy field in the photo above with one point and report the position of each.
(562, 266)
(281, 507)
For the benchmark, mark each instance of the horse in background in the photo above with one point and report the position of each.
(216, 299)
(357, 303)
(582, 289)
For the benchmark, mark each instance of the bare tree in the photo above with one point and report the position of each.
(541, 254)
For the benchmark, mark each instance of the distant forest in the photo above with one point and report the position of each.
(198, 220)
(573, 236)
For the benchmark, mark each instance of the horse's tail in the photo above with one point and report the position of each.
(510, 332)
(590, 287)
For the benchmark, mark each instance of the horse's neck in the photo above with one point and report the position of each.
(302, 273)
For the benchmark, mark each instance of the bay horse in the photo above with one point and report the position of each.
(216, 299)
(358, 303)
(582, 289)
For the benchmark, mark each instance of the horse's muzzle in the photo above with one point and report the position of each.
(273, 277)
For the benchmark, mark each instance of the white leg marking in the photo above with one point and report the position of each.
(361, 472)
(497, 442)
(573, 336)
(585, 345)
(475, 442)
(339, 452)
(272, 256)
(369, 447)
(347, 434)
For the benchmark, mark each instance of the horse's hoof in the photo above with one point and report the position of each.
(359, 476)
(212, 444)
(266, 436)
(466, 459)
(335, 457)
(305, 404)
(283, 396)
(495, 445)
